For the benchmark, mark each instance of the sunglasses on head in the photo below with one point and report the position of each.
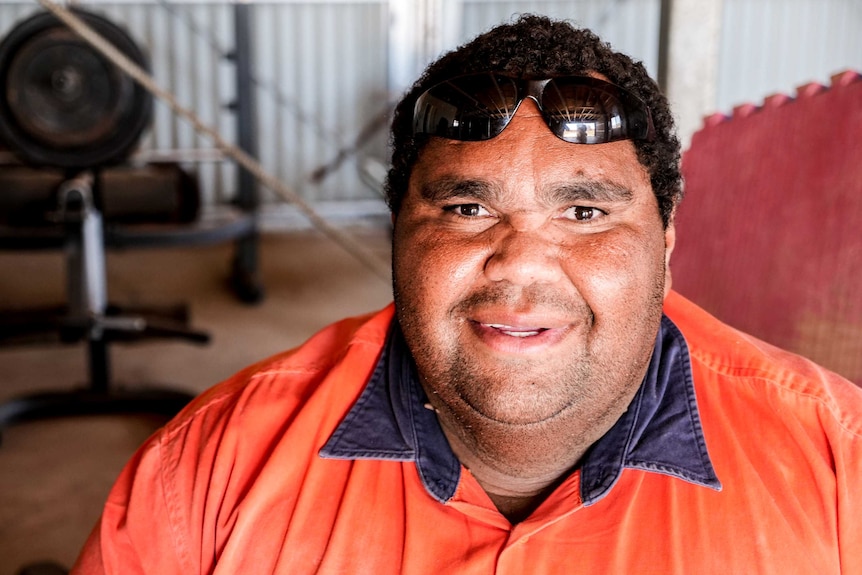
(577, 109)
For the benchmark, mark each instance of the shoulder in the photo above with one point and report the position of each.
(330, 367)
(237, 446)
(728, 361)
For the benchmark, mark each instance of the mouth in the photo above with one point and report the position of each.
(513, 331)
(523, 337)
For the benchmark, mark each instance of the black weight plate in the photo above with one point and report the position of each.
(63, 104)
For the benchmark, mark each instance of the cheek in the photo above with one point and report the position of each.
(432, 267)
(621, 270)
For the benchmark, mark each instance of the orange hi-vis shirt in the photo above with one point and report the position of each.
(734, 457)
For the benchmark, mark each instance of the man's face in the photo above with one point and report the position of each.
(529, 276)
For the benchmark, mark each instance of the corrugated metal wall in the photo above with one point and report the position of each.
(423, 29)
(325, 68)
(774, 46)
(631, 26)
(320, 73)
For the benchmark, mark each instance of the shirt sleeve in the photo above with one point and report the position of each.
(848, 470)
(135, 534)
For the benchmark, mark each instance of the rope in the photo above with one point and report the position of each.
(380, 268)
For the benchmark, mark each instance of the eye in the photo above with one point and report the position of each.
(584, 213)
(468, 210)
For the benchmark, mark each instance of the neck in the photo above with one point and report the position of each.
(518, 469)
(514, 497)
(517, 509)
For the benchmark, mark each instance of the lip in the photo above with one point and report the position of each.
(519, 336)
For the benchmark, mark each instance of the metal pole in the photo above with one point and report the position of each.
(246, 277)
(664, 44)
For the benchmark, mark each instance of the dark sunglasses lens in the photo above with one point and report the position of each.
(469, 108)
(587, 111)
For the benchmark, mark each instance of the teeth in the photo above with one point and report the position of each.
(511, 332)
(520, 333)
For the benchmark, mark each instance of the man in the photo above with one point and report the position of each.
(525, 406)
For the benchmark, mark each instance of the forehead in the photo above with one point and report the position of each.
(527, 153)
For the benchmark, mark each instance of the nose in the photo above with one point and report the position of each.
(524, 257)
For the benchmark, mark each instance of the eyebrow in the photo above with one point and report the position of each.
(590, 191)
(444, 189)
(582, 190)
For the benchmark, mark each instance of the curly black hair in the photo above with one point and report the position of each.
(536, 46)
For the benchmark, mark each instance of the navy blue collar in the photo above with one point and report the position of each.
(660, 432)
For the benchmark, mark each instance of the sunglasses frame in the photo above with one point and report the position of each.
(570, 123)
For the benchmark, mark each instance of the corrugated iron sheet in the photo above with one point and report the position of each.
(320, 74)
(631, 26)
(772, 46)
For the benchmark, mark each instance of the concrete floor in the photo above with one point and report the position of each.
(55, 474)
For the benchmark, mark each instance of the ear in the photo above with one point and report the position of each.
(669, 243)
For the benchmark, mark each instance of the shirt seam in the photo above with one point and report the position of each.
(183, 551)
(307, 368)
(772, 380)
(172, 430)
